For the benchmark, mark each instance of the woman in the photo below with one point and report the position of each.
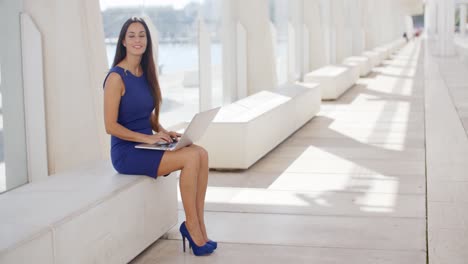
(132, 100)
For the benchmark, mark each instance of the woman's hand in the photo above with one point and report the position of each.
(174, 135)
(159, 137)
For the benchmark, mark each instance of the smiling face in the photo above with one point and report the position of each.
(135, 39)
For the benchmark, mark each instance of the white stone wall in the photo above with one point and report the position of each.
(74, 68)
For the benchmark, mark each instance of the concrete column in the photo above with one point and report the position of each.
(254, 17)
(204, 64)
(427, 19)
(370, 24)
(397, 20)
(430, 18)
(348, 28)
(13, 167)
(229, 40)
(409, 26)
(463, 18)
(313, 20)
(328, 30)
(446, 27)
(296, 45)
(387, 12)
(356, 27)
(395, 31)
(379, 22)
(338, 22)
(74, 69)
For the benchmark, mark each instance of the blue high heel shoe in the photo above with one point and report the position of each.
(197, 250)
(214, 244)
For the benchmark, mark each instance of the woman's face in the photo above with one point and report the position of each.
(135, 39)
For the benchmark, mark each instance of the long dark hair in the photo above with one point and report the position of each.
(147, 63)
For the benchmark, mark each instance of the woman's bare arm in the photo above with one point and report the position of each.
(156, 127)
(113, 91)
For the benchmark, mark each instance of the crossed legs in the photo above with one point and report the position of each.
(193, 163)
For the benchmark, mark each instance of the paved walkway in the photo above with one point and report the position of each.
(349, 186)
(446, 85)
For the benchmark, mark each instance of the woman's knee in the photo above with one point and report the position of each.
(202, 152)
(192, 155)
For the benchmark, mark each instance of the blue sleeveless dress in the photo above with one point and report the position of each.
(135, 110)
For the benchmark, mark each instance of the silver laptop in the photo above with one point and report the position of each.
(194, 132)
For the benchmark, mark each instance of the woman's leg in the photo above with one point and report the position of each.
(201, 188)
(188, 161)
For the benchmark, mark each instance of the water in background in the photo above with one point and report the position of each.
(175, 58)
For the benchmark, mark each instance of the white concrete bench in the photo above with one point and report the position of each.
(90, 215)
(246, 130)
(397, 44)
(362, 62)
(374, 58)
(334, 80)
(355, 71)
(388, 49)
(383, 51)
